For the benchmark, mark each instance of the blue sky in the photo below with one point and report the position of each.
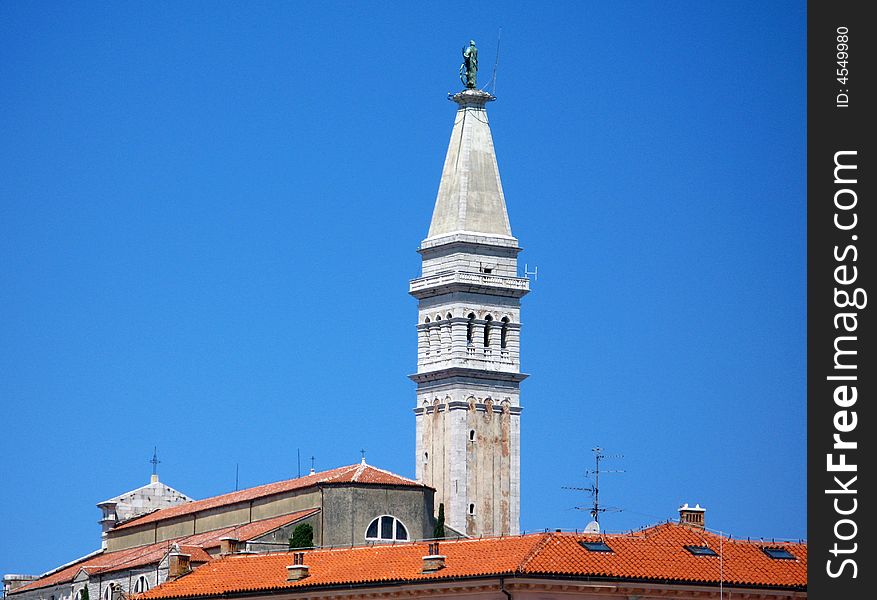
(209, 214)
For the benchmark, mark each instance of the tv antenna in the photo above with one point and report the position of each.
(528, 272)
(595, 509)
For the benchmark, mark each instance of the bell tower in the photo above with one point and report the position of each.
(468, 337)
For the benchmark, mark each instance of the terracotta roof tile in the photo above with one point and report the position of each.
(152, 553)
(359, 473)
(657, 553)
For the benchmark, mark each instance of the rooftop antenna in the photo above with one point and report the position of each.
(298, 459)
(236, 478)
(154, 460)
(492, 82)
(595, 509)
(528, 272)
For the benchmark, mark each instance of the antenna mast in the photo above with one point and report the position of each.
(492, 82)
(594, 490)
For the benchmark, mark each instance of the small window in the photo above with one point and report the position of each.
(778, 553)
(426, 457)
(471, 509)
(600, 546)
(701, 550)
(471, 435)
(386, 528)
(141, 585)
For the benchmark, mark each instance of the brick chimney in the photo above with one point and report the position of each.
(433, 561)
(229, 545)
(298, 569)
(692, 515)
(177, 563)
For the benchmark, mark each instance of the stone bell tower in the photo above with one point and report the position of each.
(468, 331)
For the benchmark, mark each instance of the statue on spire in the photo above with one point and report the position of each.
(469, 68)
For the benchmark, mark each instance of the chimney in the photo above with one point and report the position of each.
(433, 561)
(298, 569)
(692, 515)
(229, 545)
(177, 563)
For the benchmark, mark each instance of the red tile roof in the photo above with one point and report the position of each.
(655, 554)
(359, 473)
(194, 545)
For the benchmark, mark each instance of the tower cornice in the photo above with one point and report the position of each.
(452, 372)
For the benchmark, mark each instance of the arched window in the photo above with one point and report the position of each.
(471, 509)
(488, 321)
(141, 585)
(108, 592)
(470, 328)
(504, 333)
(471, 435)
(386, 528)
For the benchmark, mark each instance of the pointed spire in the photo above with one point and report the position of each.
(470, 197)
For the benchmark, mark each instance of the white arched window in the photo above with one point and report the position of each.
(141, 585)
(386, 528)
(108, 592)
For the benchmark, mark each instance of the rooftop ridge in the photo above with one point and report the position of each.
(661, 558)
(266, 489)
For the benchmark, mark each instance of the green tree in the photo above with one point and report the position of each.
(302, 536)
(83, 595)
(439, 531)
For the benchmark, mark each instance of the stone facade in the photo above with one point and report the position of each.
(153, 496)
(468, 351)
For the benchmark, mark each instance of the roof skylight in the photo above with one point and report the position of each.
(701, 550)
(778, 553)
(595, 546)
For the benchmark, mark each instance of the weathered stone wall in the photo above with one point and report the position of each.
(209, 520)
(348, 511)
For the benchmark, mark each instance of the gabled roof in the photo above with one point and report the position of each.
(152, 488)
(361, 473)
(195, 545)
(655, 554)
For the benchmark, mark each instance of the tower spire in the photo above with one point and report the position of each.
(468, 351)
(470, 197)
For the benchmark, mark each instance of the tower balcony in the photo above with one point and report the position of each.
(470, 357)
(462, 281)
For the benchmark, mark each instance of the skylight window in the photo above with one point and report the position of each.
(778, 553)
(595, 546)
(701, 550)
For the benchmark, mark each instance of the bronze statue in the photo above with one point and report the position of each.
(469, 68)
